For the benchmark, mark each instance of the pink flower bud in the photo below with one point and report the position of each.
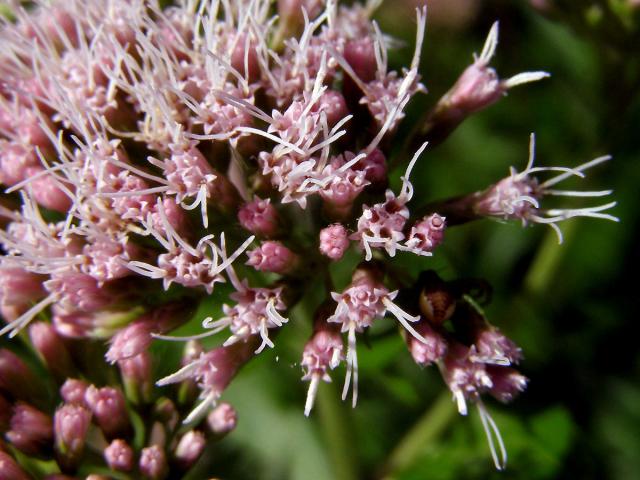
(50, 346)
(492, 346)
(477, 88)
(174, 213)
(31, 131)
(360, 54)
(137, 376)
(272, 257)
(16, 378)
(427, 234)
(101, 324)
(189, 448)
(245, 55)
(345, 185)
(222, 419)
(9, 468)
(31, 430)
(507, 383)
(333, 104)
(374, 166)
(79, 291)
(71, 426)
(107, 259)
(426, 353)
(136, 337)
(19, 287)
(15, 159)
(153, 463)
(119, 456)
(132, 340)
(479, 85)
(259, 217)
(290, 11)
(108, 407)
(73, 391)
(334, 241)
(47, 191)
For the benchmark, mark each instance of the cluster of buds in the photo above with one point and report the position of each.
(84, 426)
(149, 154)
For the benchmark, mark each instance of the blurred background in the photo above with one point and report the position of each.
(572, 307)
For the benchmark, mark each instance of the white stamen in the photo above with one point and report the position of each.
(311, 394)
(490, 44)
(491, 430)
(23, 320)
(352, 366)
(406, 191)
(209, 401)
(524, 77)
(580, 168)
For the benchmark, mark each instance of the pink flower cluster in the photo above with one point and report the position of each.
(146, 152)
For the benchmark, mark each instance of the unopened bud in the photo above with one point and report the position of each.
(119, 456)
(334, 106)
(507, 383)
(334, 241)
(427, 234)
(492, 346)
(51, 348)
(132, 340)
(15, 160)
(426, 353)
(272, 257)
(259, 217)
(108, 407)
(189, 448)
(31, 430)
(19, 287)
(375, 168)
(360, 55)
(9, 468)
(100, 324)
(47, 191)
(71, 425)
(16, 378)
(244, 58)
(153, 463)
(137, 376)
(222, 419)
(73, 391)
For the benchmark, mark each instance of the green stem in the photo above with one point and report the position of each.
(421, 436)
(335, 425)
(547, 260)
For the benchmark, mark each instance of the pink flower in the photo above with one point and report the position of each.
(119, 456)
(273, 257)
(222, 419)
(334, 241)
(259, 217)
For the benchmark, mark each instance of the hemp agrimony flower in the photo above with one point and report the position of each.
(149, 155)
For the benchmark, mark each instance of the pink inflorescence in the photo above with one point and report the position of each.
(154, 160)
